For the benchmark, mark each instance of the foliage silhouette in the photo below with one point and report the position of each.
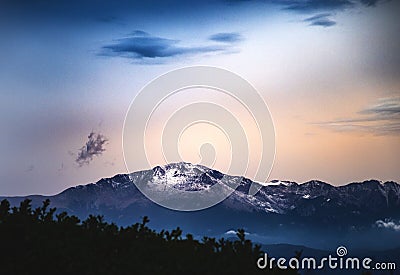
(34, 242)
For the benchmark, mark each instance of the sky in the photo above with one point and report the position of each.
(329, 72)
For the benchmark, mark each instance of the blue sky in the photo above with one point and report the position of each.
(328, 70)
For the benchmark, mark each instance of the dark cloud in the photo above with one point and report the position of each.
(311, 6)
(95, 146)
(382, 118)
(226, 37)
(322, 20)
(140, 45)
(315, 5)
(369, 3)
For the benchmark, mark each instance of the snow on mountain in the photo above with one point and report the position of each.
(314, 213)
(365, 201)
(186, 176)
(282, 197)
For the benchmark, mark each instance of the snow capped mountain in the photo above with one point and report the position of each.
(280, 207)
(185, 176)
(282, 197)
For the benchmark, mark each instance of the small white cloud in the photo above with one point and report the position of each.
(389, 224)
(233, 232)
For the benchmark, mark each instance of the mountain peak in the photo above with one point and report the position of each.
(185, 176)
(316, 184)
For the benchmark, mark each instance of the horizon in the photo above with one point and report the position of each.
(265, 184)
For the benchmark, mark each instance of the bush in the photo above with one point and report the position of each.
(34, 242)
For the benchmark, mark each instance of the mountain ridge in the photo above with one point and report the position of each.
(277, 196)
(281, 211)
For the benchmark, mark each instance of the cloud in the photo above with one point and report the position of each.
(388, 224)
(95, 146)
(226, 37)
(142, 46)
(381, 118)
(310, 6)
(385, 108)
(315, 5)
(322, 20)
(369, 3)
(233, 232)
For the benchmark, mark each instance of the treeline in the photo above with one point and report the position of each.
(39, 241)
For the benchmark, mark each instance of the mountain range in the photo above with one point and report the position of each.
(317, 214)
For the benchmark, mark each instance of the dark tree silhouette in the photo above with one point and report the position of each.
(32, 241)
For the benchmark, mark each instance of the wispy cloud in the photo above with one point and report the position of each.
(381, 118)
(385, 108)
(95, 146)
(142, 46)
(327, 7)
(315, 5)
(322, 20)
(309, 6)
(314, 8)
(388, 224)
(226, 37)
(369, 3)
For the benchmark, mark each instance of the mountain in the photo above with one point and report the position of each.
(313, 213)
